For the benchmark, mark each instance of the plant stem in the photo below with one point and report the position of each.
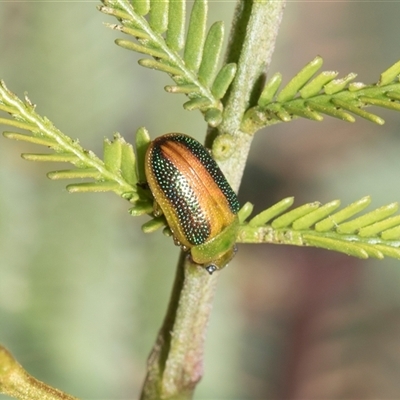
(175, 364)
(260, 22)
(16, 382)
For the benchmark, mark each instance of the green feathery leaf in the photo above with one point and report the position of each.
(374, 234)
(310, 97)
(119, 171)
(158, 27)
(116, 173)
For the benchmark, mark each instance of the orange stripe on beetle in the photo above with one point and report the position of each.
(197, 201)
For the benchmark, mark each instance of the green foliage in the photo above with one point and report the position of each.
(310, 97)
(192, 60)
(374, 234)
(117, 172)
(159, 28)
(120, 171)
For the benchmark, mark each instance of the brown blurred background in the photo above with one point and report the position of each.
(83, 291)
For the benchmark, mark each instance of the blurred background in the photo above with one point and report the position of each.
(83, 292)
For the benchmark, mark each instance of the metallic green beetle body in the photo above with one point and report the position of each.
(195, 197)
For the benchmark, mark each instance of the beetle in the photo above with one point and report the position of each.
(196, 199)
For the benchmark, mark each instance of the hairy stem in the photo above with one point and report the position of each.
(175, 364)
(260, 25)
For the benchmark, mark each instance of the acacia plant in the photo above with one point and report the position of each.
(236, 101)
